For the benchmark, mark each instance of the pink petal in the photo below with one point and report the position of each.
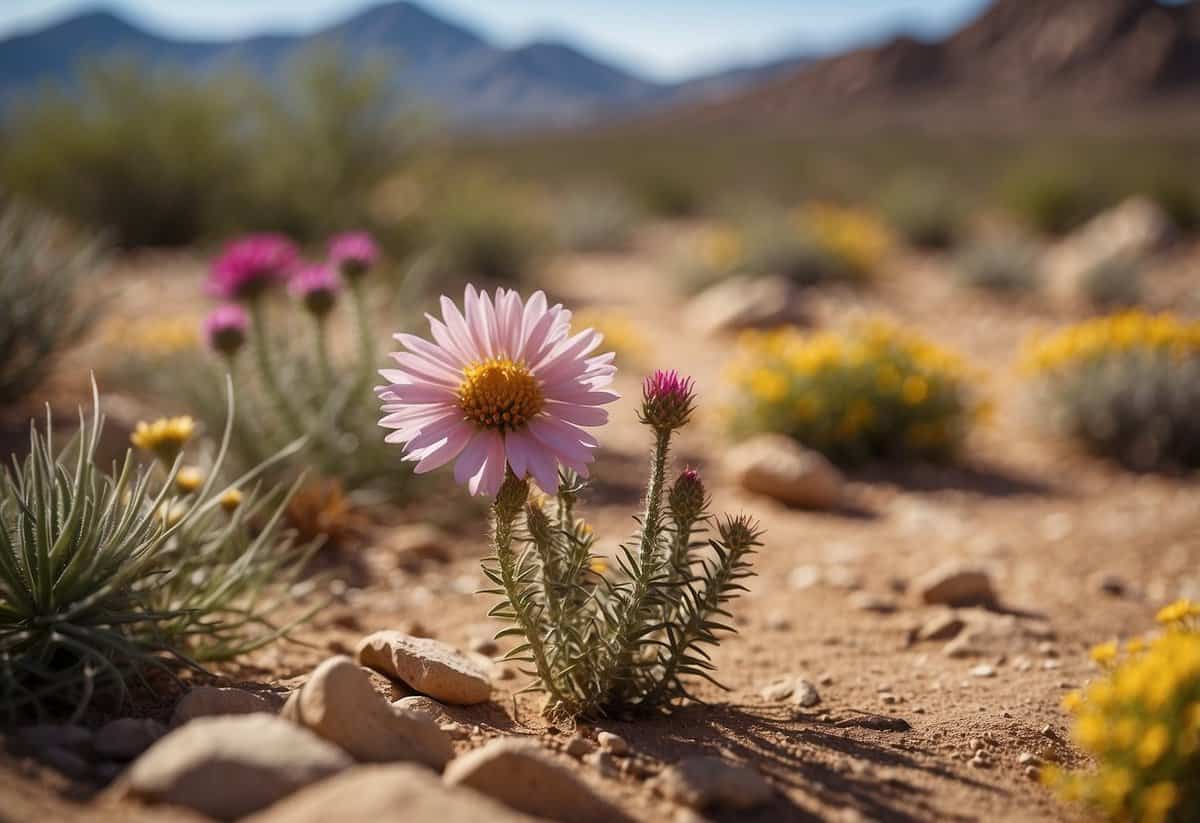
(580, 415)
(518, 445)
(491, 476)
(438, 456)
(471, 459)
(543, 467)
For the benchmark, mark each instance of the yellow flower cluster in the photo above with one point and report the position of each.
(165, 437)
(1116, 335)
(159, 337)
(1142, 724)
(875, 391)
(852, 237)
(722, 249)
(620, 334)
(1182, 615)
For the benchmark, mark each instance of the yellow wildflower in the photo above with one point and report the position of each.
(165, 437)
(231, 499)
(189, 479)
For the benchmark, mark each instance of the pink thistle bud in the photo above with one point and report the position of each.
(225, 329)
(251, 265)
(666, 400)
(688, 497)
(316, 286)
(353, 253)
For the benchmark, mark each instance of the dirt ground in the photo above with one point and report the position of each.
(1079, 552)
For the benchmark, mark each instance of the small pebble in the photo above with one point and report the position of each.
(612, 743)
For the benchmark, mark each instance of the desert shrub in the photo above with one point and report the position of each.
(759, 244)
(1112, 283)
(852, 239)
(874, 392)
(106, 574)
(1001, 266)
(42, 310)
(162, 157)
(1051, 199)
(597, 220)
(668, 195)
(1126, 386)
(924, 210)
(483, 227)
(1141, 722)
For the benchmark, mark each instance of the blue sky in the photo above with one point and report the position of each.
(664, 38)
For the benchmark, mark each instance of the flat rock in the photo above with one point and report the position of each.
(422, 705)
(212, 701)
(780, 468)
(524, 776)
(428, 666)
(228, 767)
(955, 584)
(806, 694)
(711, 783)
(945, 626)
(127, 737)
(339, 704)
(745, 303)
(399, 793)
(875, 722)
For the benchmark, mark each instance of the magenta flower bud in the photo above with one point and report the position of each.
(316, 286)
(354, 254)
(666, 400)
(225, 329)
(249, 266)
(688, 498)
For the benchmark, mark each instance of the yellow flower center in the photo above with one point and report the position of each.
(499, 394)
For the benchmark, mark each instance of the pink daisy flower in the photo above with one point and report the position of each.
(250, 265)
(504, 385)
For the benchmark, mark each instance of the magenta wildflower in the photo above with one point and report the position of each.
(505, 385)
(250, 265)
(225, 328)
(316, 286)
(353, 253)
(666, 400)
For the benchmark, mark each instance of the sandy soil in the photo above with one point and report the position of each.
(1047, 522)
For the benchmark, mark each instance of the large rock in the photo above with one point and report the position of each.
(955, 584)
(227, 767)
(339, 704)
(1134, 229)
(524, 776)
(711, 783)
(211, 701)
(428, 666)
(745, 303)
(127, 737)
(779, 467)
(386, 794)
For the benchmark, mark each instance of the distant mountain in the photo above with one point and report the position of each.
(470, 80)
(1017, 58)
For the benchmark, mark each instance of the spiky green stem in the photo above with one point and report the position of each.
(266, 367)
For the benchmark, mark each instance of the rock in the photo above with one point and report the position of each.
(227, 767)
(779, 691)
(778, 622)
(711, 783)
(127, 737)
(944, 626)
(612, 743)
(484, 646)
(745, 303)
(1133, 229)
(386, 794)
(604, 763)
(983, 670)
(806, 694)
(579, 747)
(524, 776)
(65, 761)
(339, 704)
(868, 602)
(65, 736)
(875, 722)
(426, 665)
(1111, 584)
(955, 584)
(780, 468)
(416, 546)
(965, 645)
(420, 704)
(211, 701)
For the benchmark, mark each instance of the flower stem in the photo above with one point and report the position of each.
(321, 341)
(266, 368)
(366, 347)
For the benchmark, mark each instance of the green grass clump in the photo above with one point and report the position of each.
(1052, 200)
(924, 210)
(109, 573)
(1113, 283)
(42, 308)
(876, 392)
(1001, 267)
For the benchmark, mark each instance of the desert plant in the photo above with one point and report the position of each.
(1141, 722)
(854, 241)
(1126, 386)
(924, 210)
(1051, 199)
(1007, 267)
(1112, 283)
(503, 393)
(873, 392)
(106, 575)
(41, 311)
(597, 219)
